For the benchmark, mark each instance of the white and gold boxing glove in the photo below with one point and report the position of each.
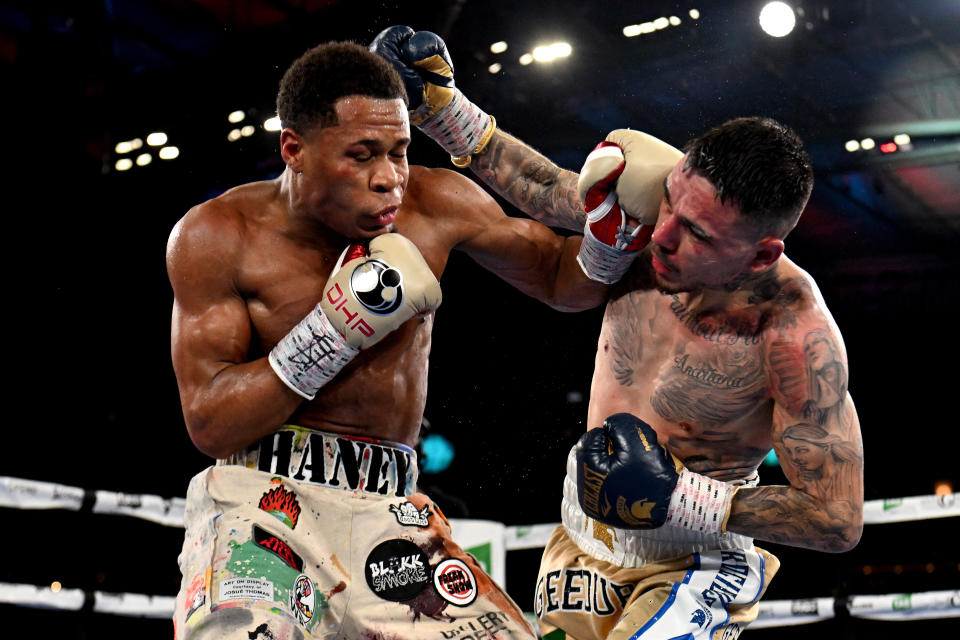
(621, 179)
(368, 295)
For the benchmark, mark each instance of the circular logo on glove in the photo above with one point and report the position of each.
(377, 286)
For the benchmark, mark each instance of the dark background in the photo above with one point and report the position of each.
(91, 394)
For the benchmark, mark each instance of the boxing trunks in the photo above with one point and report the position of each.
(598, 582)
(317, 535)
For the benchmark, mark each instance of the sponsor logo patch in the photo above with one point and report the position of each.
(455, 583)
(245, 589)
(408, 514)
(397, 570)
(281, 504)
(303, 599)
(276, 546)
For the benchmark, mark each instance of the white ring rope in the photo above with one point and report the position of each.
(18, 493)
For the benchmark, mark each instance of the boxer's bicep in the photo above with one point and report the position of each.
(210, 324)
(816, 432)
(818, 446)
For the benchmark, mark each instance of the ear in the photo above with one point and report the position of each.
(291, 149)
(768, 251)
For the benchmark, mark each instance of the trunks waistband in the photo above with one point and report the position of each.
(350, 463)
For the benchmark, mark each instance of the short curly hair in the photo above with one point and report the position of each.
(324, 74)
(760, 165)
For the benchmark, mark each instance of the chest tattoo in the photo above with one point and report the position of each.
(728, 331)
(624, 339)
(711, 389)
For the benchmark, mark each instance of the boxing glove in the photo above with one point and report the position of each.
(626, 479)
(621, 186)
(437, 107)
(369, 294)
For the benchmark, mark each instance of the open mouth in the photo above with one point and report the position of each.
(383, 218)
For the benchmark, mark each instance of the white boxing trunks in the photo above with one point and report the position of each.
(318, 535)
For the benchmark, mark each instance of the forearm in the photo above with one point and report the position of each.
(238, 406)
(789, 516)
(573, 290)
(530, 182)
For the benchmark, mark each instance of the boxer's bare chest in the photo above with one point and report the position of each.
(698, 378)
(382, 391)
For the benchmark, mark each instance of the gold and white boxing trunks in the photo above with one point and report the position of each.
(598, 582)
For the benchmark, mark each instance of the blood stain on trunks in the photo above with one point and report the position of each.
(428, 603)
(337, 589)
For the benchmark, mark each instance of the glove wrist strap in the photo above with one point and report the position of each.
(311, 354)
(700, 503)
(600, 261)
(461, 128)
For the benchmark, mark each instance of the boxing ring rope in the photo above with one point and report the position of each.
(18, 493)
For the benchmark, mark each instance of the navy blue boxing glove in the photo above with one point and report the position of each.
(626, 479)
(437, 107)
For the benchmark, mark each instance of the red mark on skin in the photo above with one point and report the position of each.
(685, 426)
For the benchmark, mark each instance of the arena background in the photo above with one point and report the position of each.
(91, 394)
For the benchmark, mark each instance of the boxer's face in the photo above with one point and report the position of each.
(698, 242)
(355, 173)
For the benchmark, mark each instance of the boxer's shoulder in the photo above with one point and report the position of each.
(445, 194)
(792, 299)
(215, 233)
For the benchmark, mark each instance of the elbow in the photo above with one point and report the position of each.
(847, 538)
(574, 301)
(205, 436)
(854, 533)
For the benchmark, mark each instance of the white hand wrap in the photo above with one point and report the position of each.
(310, 354)
(700, 503)
(600, 261)
(460, 127)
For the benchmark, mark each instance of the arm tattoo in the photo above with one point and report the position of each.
(788, 516)
(812, 377)
(530, 182)
(817, 437)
